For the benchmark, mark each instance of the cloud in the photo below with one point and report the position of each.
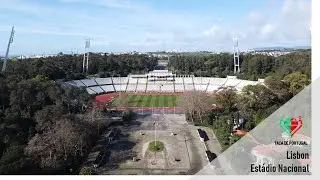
(128, 24)
(291, 23)
(122, 4)
(217, 33)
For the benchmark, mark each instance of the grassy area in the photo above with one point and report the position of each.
(156, 146)
(150, 100)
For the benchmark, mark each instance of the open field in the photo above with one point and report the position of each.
(150, 100)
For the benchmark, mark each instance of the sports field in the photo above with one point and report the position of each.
(150, 100)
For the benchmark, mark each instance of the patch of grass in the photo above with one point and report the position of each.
(157, 103)
(156, 146)
(155, 100)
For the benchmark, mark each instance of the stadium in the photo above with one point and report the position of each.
(158, 117)
(162, 95)
(158, 88)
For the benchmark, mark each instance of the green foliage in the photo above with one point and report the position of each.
(32, 107)
(297, 82)
(41, 78)
(86, 171)
(69, 67)
(12, 160)
(252, 66)
(44, 124)
(222, 130)
(255, 103)
(156, 146)
(127, 115)
(228, 99)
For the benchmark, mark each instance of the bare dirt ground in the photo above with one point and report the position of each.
(184, 153)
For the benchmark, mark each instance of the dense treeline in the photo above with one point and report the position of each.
(70, 66)
(252, 66)
(44, 127)
(253, 104)
(217, 65)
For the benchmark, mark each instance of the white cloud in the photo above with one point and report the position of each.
(218, 33)
(128, 24)
(290, 24)
(268, 30)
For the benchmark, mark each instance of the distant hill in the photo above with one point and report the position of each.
(282, 48)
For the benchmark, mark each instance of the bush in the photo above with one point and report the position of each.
(127, 115)
(86, 171)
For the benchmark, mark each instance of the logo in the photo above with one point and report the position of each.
(290, 125)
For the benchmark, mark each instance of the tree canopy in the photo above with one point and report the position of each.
(45, 127)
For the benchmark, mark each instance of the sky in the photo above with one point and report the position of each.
(51, 26)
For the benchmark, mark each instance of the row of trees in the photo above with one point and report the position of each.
(252, 66)
(69, 67)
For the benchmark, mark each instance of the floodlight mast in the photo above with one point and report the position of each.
(236, 58)
(85, 64)
(8, 48)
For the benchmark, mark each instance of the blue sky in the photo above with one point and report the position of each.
(50, 26)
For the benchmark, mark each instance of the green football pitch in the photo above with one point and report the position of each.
(152, 100)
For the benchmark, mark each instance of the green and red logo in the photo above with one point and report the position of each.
(290, 125)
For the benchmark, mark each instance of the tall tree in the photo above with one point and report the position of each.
(297, 82)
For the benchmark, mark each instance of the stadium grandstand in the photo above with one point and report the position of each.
(160, 81)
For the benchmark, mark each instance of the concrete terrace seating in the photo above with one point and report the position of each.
(120, 80)
(89, 82)
(200, 87)
(170, 79)
(217, 81)
(179, 87)
(244, 83)
(188, 80)
(153, 87)
(131, 87)
(167, 88)
(189, 87)
(178, 80)
(142, 81)
(120, 87)
(142, 84)
(104, 81)
(116, 80)
(78, 83)
(201, 80)
(97, 89)
(108, 88)
(141, 88)
(133, 80)
(212, 88)
(232, 82)
(124, 80)
(90, 91)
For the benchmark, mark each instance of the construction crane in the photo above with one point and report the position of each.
(8, 48)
